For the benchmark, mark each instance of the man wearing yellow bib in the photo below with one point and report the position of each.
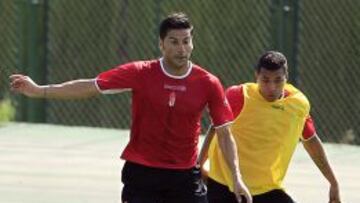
(270, 116)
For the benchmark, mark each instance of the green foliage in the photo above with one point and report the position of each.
(7, 110)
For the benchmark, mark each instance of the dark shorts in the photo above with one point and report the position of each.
(219, 193)
(144, 184)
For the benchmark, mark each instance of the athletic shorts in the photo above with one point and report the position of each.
(219, 193)
(144, 184)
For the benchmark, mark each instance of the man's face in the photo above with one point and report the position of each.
(176, 47)
(271, 83)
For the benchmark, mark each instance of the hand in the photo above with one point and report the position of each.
(241, 190)
(204, 174)
(25, 85)
(334, 194)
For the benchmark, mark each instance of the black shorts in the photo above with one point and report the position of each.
(219, 193)
(144, 184)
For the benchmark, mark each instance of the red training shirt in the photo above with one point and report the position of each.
(166, 111)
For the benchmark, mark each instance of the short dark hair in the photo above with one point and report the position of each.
(272, 60)
(177, 20)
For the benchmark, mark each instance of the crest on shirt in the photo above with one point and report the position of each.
(226, 102)
(172, 99)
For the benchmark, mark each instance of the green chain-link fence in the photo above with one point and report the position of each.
(96, 36)
(329, 66)
(9, 43)
(81, 38)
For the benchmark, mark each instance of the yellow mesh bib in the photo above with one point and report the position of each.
(266, 134)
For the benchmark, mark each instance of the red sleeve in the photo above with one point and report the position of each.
(118, 79)
(219, 108)
(309, 128)
(235, 96)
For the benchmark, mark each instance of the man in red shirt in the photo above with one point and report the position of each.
(168, 97)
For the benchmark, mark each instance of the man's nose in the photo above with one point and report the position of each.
(272, 87)
(181, 48)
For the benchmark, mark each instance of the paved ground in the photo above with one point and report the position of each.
(57, 164)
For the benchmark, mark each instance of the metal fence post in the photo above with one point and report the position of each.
(21, 109)
(276, 24)
(32, 56)
(285, 22)
(291, 12)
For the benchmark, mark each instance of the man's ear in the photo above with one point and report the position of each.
(161, 44)
(256, 75)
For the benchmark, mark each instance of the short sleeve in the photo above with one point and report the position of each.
(235, 97)
(309, 128)
(219, 107)
(121, 78)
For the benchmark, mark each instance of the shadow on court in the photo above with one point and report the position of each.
(57, 164)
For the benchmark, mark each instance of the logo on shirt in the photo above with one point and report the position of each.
(279, 107)
(181, 88)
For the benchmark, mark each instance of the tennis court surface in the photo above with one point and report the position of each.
(59, 164)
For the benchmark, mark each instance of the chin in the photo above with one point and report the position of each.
(182, 64)
(271, 99)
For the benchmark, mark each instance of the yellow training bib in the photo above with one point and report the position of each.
(266, 134)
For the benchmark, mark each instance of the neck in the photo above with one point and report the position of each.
(175, 70)
(282, 95)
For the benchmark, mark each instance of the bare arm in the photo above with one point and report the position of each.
(75, 89)
(203, 155)
(205, 146)
(314, 148)
(229, 149)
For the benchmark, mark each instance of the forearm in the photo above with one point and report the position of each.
(203, 155)
(318, 155)
(75, 89)
(228, 148)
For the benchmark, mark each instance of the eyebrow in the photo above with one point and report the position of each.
(277, 78)
(174, 38)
